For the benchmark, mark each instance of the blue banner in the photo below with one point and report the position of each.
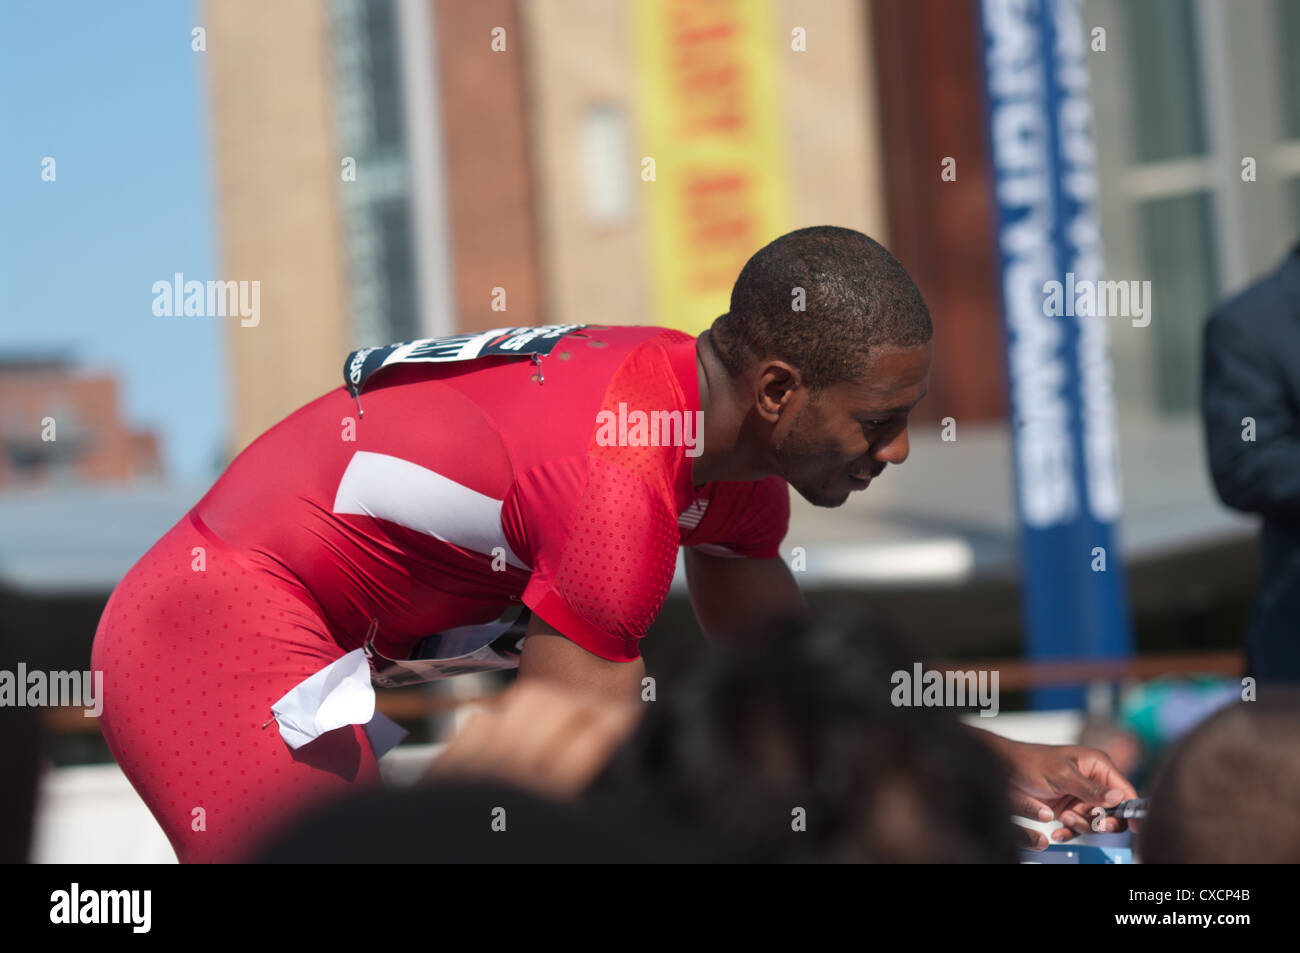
(1075, 600)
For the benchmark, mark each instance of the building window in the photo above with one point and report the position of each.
(605, 161)
(1168, 114)
(1176, 236)
(1187, 95)
(1288, 33)
(384, 76)
(377, 224)
(1288, 158)
(393, 220)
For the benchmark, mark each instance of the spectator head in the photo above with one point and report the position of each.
(800, 728)
(471, 822)
(1229, 792)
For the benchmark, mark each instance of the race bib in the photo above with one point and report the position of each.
(362, 364)
(490, 647)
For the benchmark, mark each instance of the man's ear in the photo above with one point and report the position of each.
(776, 386)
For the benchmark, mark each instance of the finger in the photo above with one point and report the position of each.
(1086, 777)
(1062, 834)
(1089, 791)
(1118, 825)
(1076, 821)
(1022, 805)
(1099, 823)
(1029, 838)
(1098, 767)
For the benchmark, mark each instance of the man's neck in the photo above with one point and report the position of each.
(723, 456)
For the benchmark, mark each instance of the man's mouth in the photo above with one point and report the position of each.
(860, 482)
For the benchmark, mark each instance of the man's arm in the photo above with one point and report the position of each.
(734, 597)
(538, 736)
(549, 655)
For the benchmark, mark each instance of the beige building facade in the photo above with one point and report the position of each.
(497, 173)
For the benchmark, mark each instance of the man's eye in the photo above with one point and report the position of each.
(877, 424)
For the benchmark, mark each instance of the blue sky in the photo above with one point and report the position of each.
(113, 92)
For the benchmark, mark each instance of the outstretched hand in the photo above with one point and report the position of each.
(1065, 782)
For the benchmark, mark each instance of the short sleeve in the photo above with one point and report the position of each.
(749, 520)
(604, 537)
(603, 582)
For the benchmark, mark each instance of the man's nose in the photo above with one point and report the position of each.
(893, 448)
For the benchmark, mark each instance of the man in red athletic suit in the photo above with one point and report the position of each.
(560, 468)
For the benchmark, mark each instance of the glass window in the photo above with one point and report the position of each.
(1288, 31)
(385, 73)
(608, 179)
(370, 128)
(394, 220)
(1178, 241)
(1162, 47)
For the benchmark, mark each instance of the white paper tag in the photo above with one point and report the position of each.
(339, 694)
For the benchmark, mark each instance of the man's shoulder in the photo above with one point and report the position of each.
(1264, 301)
(637, 333)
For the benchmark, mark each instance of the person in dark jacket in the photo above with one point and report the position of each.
(1251, 405)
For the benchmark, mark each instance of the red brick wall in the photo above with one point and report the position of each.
(489, 178)
(943, 232)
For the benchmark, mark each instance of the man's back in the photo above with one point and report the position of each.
(466, 487)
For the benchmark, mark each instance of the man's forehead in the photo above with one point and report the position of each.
(891, 374)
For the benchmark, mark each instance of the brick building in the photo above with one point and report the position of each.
(59, 425)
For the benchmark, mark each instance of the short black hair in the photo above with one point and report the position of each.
(1226, 794)
(802, 717)
(856, 297)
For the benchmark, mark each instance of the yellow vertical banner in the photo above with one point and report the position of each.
(709, 120)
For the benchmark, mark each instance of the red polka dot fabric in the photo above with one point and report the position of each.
(195, 646)
(604, 562)
(621, 552)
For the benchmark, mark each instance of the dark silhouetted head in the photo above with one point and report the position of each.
(800, 729)
(1229, 792)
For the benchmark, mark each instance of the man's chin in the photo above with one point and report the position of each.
(826, 499)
